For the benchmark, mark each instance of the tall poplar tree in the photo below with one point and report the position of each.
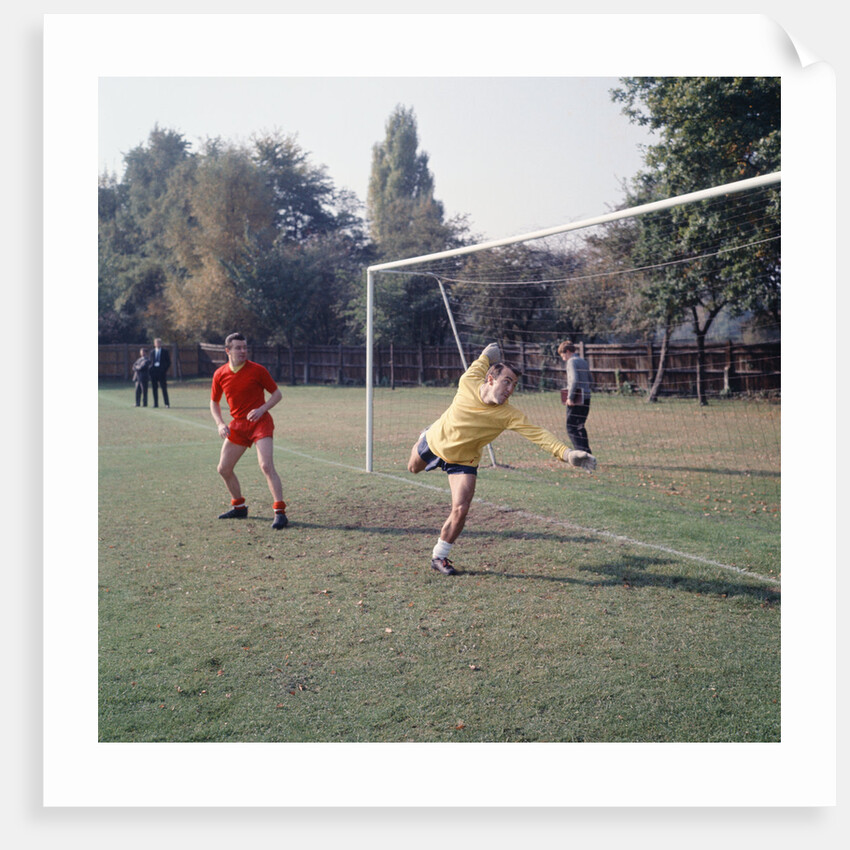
(406, 220)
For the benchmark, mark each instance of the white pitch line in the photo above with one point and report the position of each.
(526, 514)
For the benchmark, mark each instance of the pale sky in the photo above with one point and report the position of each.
(516, 154)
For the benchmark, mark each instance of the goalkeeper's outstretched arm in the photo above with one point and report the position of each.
(550, 443)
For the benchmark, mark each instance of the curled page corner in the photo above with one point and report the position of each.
(802, 55)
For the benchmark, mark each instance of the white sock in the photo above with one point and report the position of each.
(442, 549)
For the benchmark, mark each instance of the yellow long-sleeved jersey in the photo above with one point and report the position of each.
(468, 425)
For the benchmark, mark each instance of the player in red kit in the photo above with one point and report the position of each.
(244, 384)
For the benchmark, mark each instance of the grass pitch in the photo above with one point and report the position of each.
(634, 605)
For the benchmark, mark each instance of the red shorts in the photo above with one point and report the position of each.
(245, 433)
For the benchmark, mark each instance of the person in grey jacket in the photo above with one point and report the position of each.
(141, 374)
(577, 395)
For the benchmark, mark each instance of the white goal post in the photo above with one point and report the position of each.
(655, 206)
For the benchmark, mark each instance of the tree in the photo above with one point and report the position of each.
(299, 291)
(511, 293)
(602, 302)
(188, 241)
(113, 249)
(220, 205)
(300, 284)
(405, 220)
(402, 210)
(133, 258)
(712, 131)
(303, 194)
(147, 171)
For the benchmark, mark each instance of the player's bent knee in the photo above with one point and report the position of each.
(461, 509)
(415, 463)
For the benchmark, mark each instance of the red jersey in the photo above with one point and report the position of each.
(243, 389)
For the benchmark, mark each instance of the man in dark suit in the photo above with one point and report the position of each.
(160, 363)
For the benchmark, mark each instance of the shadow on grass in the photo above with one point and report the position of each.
(632, 572)
(701, 470)
(635, 572)
(431, 530)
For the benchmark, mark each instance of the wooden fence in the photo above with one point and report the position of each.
(753, 368)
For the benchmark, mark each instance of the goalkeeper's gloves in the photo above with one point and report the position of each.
(492, 353)
(583, 460)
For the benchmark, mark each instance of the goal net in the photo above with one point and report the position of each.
(675, 306)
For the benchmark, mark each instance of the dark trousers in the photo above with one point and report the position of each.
(576, 417)
(142, 391)
(157, 383)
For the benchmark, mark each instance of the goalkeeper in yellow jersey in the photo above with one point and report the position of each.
(479, 412)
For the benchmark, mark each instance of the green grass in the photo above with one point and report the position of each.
(589, 608)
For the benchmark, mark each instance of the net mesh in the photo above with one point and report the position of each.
(708, 434)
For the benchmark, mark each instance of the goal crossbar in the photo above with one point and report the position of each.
(631, 212)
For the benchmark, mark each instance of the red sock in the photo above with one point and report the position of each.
(280, 507)
(237, 503)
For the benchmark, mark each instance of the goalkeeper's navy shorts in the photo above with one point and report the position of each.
(434, 462)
